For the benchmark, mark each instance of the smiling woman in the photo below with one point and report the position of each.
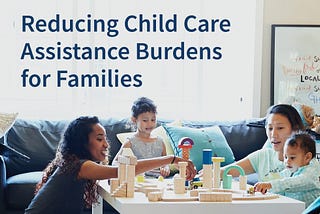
(75, 168)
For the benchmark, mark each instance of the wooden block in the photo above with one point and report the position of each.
(216, 175)
(242, 182)
(155, 196)
(148, 190)
(121, 191)
(170, 196)
(141, 186)
(122, 173)
(133, 160)
(179, 185)
(183, 164)
(218, 159)
(121, 159)
(114, 184)
(127, 160)
(178, 199)
(256, 196)
(215, 197)
(130, 189)
(182, 169)
(194, 193)
(207, 176)
(127, 152)
(131, 172)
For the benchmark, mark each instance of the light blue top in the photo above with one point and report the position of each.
(265, 162)
(267, 144)
(303, 185)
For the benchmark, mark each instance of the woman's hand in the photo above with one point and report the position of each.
(262, 187)
(190, 169)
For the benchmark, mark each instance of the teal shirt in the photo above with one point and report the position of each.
(265, 162)
(303, 185)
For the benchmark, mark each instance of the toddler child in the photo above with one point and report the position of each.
(301, 178)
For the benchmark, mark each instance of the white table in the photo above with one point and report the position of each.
(140, 204)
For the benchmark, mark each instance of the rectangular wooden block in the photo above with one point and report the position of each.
(215, 197)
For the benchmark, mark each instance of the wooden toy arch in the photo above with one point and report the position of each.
(227, 179)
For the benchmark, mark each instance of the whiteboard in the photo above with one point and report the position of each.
(295, 65)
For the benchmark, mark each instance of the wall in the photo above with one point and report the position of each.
(282, 12)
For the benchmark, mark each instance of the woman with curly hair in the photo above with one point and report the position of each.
(69, 181)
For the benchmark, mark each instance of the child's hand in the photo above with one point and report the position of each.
(262, 187)
(165, 171)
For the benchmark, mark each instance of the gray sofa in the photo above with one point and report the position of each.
(38, 139)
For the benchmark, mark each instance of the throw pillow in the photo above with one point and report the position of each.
(6, 121)
(159, 131)
(204, 138)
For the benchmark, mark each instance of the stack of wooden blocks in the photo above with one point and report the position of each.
(123, 186)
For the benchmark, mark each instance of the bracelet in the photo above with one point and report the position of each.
(173, 159)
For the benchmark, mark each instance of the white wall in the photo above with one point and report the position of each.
(282, 12)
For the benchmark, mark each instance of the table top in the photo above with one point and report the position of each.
(140, 204)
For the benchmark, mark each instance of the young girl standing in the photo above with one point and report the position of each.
(143, 143)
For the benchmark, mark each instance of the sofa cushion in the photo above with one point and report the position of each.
(21, 187)
(204, 138)
(243, 136)
(38, 139)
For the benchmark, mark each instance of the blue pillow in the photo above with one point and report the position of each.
(204, 138)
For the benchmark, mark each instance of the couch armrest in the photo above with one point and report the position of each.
(3, 178)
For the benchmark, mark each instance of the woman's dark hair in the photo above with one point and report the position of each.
(304, 141)
(72, 148)
(289, 112)
(76, 137)
(142, 105)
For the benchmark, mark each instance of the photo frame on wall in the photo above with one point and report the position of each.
(295, 65)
